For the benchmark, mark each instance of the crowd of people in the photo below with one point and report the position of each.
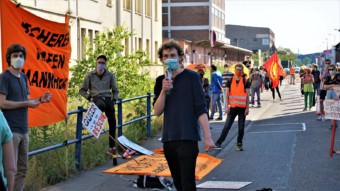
(185, 97)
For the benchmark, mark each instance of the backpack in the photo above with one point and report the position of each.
(144, 181)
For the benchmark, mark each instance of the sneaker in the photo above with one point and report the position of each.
(239, 147)
(321, 118)
(218, 146)
(252, 105)
(258, 106)
(218, 119)
(304, 109)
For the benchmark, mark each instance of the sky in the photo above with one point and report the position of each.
(304, 26)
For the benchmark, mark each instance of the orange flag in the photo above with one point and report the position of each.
(274, 69)
(48, 50)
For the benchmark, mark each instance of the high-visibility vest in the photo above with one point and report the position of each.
(292, 71)
(237, 95)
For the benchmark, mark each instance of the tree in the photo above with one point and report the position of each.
(131, 79)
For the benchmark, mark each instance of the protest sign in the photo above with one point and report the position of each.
(94, 120)
(332, 109)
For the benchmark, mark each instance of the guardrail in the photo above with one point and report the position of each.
(79, 127)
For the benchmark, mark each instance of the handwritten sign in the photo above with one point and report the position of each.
(332, 109)
(94, 120)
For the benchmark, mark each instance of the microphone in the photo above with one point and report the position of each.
(169, 76)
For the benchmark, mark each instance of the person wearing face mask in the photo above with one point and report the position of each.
(324, 75)
(185, 113)
(308, 89)
(332, 82)
(99, 86)
(256, 82)
(14, 103)
(237, 98)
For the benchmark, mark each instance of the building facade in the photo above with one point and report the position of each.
(199, 25)
(251, 38)
(90, 17)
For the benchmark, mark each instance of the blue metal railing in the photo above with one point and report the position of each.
(79, 127)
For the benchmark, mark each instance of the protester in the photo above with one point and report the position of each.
(14, 102)
(292, 75)
(216, 89)
(206, 88)
(273, 90)
(100, 87)
(7, 162)
(256, 82)
(181, 99)
(308, 89)
(332, 82)
(317, 80)
(237, 97)
(302, 74)
(323, 91)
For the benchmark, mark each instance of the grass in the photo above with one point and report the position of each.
(57, 165)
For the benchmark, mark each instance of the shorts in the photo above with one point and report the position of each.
(323, 94)
(330, 94)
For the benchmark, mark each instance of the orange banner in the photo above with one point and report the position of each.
(156, 165)
(274, 69)
(47, 63)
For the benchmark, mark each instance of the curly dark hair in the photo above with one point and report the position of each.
(14, 48)
(169, 45)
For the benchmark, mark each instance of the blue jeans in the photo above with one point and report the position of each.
(216, 98)
(181, 157)
(257, 91)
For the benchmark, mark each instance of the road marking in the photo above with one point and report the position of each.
(303, 128)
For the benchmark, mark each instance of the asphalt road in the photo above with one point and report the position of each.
(285, 149)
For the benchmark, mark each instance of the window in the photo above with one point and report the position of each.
(156, 11)
(156, 52)
(140, 44)
(127, 46)
(127, 4)
(165, 10)
(148, 8)
(148, 48)
(265, 41)
(138, 6)
(83, 43)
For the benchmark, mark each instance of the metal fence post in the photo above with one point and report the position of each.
(79, 136)
(120, 117)
(148, 110)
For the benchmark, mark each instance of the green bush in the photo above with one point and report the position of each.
(57, 165)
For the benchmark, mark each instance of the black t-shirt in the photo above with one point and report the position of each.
(316, 75)
(183, 105)
(15, 89)
(335, 80)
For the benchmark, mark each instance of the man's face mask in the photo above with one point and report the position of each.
(101, 67)
(171, 64)
(238, 71)
(17, 62)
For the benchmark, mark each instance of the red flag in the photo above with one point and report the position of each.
(274, 69)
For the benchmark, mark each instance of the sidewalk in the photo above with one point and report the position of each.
(94, 179)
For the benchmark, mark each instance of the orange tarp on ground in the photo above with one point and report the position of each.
(156, 165)
(48, 48)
